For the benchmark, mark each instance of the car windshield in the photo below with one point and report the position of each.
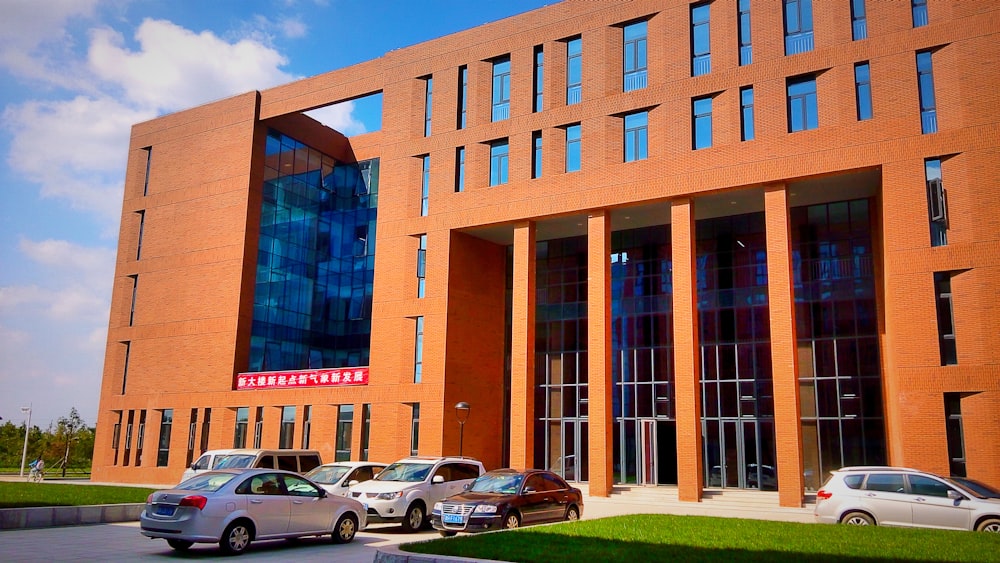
(206, 482)
(407, 472)
(233, 461)
(330, 474)
(505, 484)
(977, 489)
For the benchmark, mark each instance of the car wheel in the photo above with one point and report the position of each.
(511, 521)
(572, 513)
(446, 533)
(989, 525)
(414, 519)
(857, 519)
(236, 539)
(345, 529)
(180, 545)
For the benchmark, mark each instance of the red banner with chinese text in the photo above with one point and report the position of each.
(302, 378)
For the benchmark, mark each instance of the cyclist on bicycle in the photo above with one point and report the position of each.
(37, 472)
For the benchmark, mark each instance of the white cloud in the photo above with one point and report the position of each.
(34, 38)
(340, 117)
(92, 265)
(293, 28)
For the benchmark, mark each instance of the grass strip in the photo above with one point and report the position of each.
(23, 495)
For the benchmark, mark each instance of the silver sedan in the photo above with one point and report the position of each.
(234, 507)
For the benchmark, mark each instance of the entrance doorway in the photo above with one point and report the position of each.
(650, 453)
(740, 454)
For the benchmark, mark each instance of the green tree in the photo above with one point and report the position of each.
(63, 437)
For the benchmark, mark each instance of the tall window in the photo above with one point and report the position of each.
(425, 184)
(573, 148)
(240, 431)
(460, 169)
(928, 103)
(463, 94)
(366, 424)
(415, 429)
(345, 429)
(149, 161)
(955, 433)
(418, 350)
(859, 20)
(746, 113)
(258, 427)
(163, 452)
(743, 31)
(635, 56)
(536, 154)
(937, 202)
(863, 90)
(422, 266)
(135, 287)
(287, 433)
(428, 96)
(499, 157)
(192, 434)
(306, 426)
(128, 349)
(140, 438)
(636, 136)
(205, 427)
(701, 109)
(701, 47)
(798, 26)
(142, 227)
(945, 319)
(919, 7)
(574, 71)
(538, 79)
(501, 89)
(803, 113)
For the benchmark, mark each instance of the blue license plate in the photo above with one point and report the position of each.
(163, 510)
(451, 518)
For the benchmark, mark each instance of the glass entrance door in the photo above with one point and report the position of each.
(647, 453)
(739, 454)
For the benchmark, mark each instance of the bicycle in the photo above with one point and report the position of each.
(36, 475)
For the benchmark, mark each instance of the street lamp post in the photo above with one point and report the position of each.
(27, 426)
(462, 414)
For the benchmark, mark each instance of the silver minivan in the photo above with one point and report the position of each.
(896, 496)
(298, 461)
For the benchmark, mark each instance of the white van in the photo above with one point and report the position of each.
(298, 461)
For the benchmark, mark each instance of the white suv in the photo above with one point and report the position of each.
(896, 496)
(405, 491)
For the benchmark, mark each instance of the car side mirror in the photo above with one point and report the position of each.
(437, 479)
(322, 493)
(955, 495)
(529, 490)
(466, 486)
(351, 483)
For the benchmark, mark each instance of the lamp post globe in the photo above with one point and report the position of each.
(461, 414)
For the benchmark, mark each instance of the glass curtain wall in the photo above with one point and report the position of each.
(840, 380)
(736, 384)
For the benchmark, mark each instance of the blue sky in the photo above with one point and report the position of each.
(74, 76)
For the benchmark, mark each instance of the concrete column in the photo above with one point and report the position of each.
(687, 353)
(784, 357)
(522, 372)
(600, 416)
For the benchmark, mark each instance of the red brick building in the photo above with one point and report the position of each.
(733, 243)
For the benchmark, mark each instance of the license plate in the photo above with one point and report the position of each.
(163, 510)
(451, 518)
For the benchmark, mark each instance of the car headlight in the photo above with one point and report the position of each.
(437, 506)
(486, 508)
(390, 496)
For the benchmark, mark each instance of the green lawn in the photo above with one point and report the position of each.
(20, 495)
(655, 537)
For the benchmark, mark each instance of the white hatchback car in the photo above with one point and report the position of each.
(896, 496)
(405, 491)
(338, 476)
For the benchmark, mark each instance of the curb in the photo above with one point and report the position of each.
(48, 516)
(392, 554)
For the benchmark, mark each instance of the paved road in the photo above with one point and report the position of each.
(122, 542)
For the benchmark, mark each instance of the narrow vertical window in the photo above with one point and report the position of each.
(192, 435)
(859, 20)
(415, 430)
(128, 349)
(636, 136)
(345, 430)
(701, 45)
(746, 114)
(746, 51)
(366, 425)
(463, 94)
(418, 350)
(937, 203)
(919, 8)
(140, 437)
(538, 79)
(163, 449)
(421, 265)
(925, 83)
(142, 227)
(803, 113)
(149, 161)
(428, 96)
(635, 66)
(205, 427)
(498, 162)
(798, 26)
(128, 438)
(945, 318)
(501, 89)
(287, 430)
(116, 435)
(701, 109)
(240, 430)
(460, 169)
(135, 288)
(573, 156)
(863, 90)
(574, 71)
(536, 154)
(425, 184)
(306, 426)
(955, 433)
(258, 427)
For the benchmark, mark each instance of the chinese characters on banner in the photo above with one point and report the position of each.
(305, 378)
